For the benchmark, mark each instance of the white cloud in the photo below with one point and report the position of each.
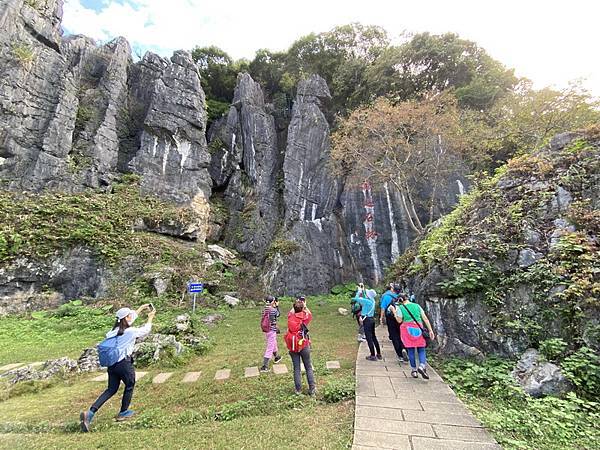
(550, 41)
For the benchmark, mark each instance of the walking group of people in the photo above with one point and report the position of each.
(404, 319)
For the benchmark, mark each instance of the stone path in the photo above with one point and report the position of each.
(189, 377)
(396, 411)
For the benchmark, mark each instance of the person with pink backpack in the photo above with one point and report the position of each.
(268, 324)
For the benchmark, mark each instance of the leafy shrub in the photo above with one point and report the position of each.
(339, 390)
(582, 368)
(519, 421)
(24, 54)
(283, 247)
(553, 349)
(470, 275)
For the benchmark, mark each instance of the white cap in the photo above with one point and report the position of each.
(124, 312)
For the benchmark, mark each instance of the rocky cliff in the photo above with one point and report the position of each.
(518, 262)
(287, 213)
(76, 116)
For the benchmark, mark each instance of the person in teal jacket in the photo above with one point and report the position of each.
(367, 318)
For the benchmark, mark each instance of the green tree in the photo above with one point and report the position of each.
(434, 63)
(412, 146)
(218, 72)
(526, 119)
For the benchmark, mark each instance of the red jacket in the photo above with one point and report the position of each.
(294, 340)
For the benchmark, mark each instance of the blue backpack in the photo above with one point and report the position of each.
(112, 350)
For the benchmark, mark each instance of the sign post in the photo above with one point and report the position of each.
(195, 288)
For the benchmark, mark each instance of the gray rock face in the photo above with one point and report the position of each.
(319, 230)
(29, 285)
(246, 154)
(528, 257)
(74, 115)
(539, 378)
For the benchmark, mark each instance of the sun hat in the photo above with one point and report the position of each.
(124, 312)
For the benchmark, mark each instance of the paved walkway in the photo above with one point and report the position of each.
(395, 411)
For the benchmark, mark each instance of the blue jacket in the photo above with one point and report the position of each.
(387, 299)
(368, 306)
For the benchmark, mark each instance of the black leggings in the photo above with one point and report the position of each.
(121, 371)
(373, 343)
(394, 334)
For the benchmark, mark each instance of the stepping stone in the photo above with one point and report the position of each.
(162, 377)
(223, 374)
(191, 377)
(8, 367)
(103, 377)
(37, 364)
(280, 369)
(332, 365)
(140, 375)
(251, 372)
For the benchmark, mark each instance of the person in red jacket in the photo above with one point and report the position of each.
(298, 343)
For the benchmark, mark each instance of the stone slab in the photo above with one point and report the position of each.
(140, 375)
(332, 365)
(37, 363)
(280, 369)
(365, 386)
(381, 441)
(12, 366)
(222, 374)
(250, 372)
(382, 413)
(383, 387)
(103, 377)
(442, 418)
(388, 403)
(463, 433)
(378, 425)
(444, 407)
(426, 396)
(162, 377)
(423, 443)
(191, 377)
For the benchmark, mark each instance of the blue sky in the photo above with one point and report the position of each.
(550, 42)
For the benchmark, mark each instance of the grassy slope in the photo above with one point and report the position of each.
(182, 416)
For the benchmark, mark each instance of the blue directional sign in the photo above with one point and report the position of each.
(195, 288)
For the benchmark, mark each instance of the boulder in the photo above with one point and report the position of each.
(88, 361)
(212, 319)
(183, 323)
(50, 369)
(231, 301)
(227, 257)
(528, 257)
(538, 377)
(153, 347)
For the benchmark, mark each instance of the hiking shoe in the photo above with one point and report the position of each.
(277, 359)
(125, 415)
(85, 418)
(423, 373)
(264, 369)
(371, 358)
(298, 392)
(312, 392)
(414, 374)
(379, 357)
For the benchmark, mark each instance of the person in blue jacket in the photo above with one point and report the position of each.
(387, 317)
(367, 318)
(123, 369)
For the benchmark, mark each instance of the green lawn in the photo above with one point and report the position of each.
(239, 413)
